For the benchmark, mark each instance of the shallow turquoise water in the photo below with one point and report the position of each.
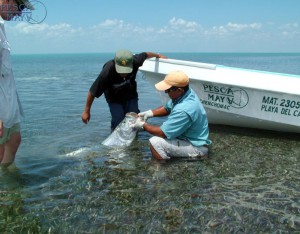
(64, 181)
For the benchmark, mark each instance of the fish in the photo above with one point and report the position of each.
(124, 133)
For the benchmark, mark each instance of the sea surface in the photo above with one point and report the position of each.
(65, 181)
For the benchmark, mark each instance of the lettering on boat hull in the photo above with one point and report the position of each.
(283, 106)
(224, 97)
(257, 104)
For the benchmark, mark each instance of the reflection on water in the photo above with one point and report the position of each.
(246, 187)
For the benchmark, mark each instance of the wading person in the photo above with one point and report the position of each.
(10, 137)
(185, 132)
(117, 81)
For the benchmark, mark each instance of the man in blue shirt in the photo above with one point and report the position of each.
(185, 133)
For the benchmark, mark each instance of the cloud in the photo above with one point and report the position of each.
(232, 28)
(242, 27)
(184, 25)
(291, 26)
(46, 31)
(110, 23)
(290, 30)
(115, 27)
(25, 28)
(175, 34)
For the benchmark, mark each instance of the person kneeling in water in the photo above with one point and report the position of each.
(185, 133)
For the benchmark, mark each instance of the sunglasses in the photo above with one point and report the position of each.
(21, 7)
(172, 89)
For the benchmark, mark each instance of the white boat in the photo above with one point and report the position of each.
(238, 97)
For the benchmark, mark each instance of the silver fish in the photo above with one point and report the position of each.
(124, 133)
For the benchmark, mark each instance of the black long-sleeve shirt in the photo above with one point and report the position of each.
(115, 87)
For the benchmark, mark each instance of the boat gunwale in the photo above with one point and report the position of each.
(285, 83)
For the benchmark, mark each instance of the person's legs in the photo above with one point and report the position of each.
(1, 152)
(158, 148)
(117, 114)
(119, 110)
(154, 153)
(9, 144)
(3, 139)
(165, 149)
(132, 106)
(9, 149)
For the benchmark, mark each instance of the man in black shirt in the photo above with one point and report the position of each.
(117, 81)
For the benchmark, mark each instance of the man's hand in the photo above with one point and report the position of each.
(139, 124)
(1, 128)
(85, 117)
(146, 114)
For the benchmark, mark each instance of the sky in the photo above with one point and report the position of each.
(217, 26)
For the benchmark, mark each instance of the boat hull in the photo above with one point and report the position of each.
(238, 97)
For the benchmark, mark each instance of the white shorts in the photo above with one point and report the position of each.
(176, 148)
